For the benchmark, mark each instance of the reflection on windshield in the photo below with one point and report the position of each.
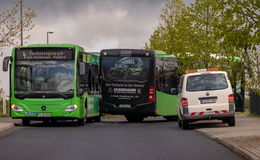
(53, 76)
(206, 82)
(126, 68)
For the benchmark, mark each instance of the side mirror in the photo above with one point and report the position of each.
(6, 63)
(174, 91)
(82, 68)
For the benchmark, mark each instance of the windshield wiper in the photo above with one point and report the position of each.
(23, 96)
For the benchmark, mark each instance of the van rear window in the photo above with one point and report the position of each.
(206, 82)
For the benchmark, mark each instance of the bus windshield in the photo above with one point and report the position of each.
(50, 78)
(126, 68)
(206, 82)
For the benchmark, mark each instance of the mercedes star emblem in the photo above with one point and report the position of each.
(43, 108)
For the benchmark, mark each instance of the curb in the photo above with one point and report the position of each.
(238, 149)
(6, 127)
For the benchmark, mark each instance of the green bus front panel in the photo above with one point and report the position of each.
(166, 104)
(55, 107)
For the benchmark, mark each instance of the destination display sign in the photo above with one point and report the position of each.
(44, 54)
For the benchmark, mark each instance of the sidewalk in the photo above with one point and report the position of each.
(244, 138)
(7, 124)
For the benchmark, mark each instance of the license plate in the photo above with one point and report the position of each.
(30, 113)
(208, 100)
(125, 106)
(208, 112)
(44, 115)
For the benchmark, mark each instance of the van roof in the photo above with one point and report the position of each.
(203, 72)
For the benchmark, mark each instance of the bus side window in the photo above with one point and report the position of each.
(180, 84)
(94, 79)
(159, 73)
(82, 85)
(170, 76)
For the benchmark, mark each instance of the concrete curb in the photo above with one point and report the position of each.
(6, 127)
(238, 149)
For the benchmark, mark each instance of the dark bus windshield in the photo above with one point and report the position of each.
(126, 68)
(44, 77)
(206, 82)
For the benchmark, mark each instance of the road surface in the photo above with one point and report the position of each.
(153, 139)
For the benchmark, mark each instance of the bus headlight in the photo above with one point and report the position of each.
(17, 108)
(71, 108)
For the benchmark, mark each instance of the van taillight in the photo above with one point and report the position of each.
(231, 98)
(100, 99)
(184, 102)
(151, 95)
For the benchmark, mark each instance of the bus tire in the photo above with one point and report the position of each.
(97, 119)
(170, 118)
(231, 122)
(25, 122)
(81, 121)
(133, 118)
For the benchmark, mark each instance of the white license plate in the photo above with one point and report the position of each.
(44, 115)
(208, 100)
(125, 106)
(208, 112)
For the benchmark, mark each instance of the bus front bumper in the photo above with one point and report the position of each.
(145, 109)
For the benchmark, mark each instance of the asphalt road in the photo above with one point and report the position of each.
(111, 140)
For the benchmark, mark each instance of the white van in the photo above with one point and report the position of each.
(205, 94)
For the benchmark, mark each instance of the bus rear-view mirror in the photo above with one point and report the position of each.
(6, 63)
(174, 91)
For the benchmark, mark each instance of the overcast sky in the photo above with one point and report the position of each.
(92, 24)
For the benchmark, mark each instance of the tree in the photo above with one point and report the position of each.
(10, 25)
(209, 33)
(241, 35)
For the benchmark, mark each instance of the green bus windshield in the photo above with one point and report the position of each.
(47, 77)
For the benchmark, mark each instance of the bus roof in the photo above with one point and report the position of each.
(160, 53)
(53, 45)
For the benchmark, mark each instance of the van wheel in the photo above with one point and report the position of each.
(185, 124)
(132, 118)
(81, 121)
(25, 122)
(231, 122)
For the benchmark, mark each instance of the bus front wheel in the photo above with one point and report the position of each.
(81, 121)
(133, 118)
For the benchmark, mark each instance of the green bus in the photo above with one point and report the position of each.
(51, 82)
(138, 83)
